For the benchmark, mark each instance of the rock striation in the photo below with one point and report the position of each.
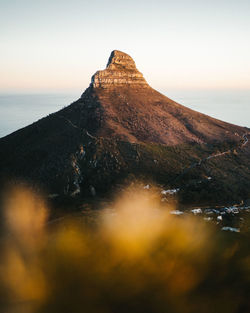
(120, 71)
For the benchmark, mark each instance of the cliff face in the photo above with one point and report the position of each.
(121, 71)
(121, 126)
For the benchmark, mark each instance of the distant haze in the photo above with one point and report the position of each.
(58, 45)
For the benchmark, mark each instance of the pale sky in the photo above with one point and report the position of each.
(58, 45)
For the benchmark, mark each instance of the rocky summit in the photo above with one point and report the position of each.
(120, 71)
(122, 129)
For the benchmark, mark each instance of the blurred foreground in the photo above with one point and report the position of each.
(139, 258)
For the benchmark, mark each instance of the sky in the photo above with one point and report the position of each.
(53, 45)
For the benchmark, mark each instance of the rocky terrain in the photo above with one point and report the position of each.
(121, 71)
(121, 129)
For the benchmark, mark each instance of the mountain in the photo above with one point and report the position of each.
(120, 129)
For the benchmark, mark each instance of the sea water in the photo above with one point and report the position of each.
(20, 110)
(231, 106)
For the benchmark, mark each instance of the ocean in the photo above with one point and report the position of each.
(232, 106)
(20, 110)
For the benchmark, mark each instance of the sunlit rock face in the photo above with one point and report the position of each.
(120, 71)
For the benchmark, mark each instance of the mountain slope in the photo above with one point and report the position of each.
(120, 126)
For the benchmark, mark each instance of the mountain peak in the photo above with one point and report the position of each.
(122, 128)
(120, 60)
(120, 71)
